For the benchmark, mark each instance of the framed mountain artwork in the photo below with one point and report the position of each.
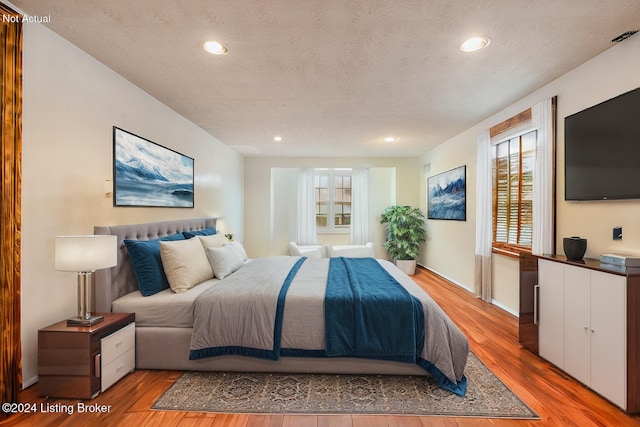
(147, 174)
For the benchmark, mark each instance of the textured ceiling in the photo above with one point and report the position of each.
(334, 77)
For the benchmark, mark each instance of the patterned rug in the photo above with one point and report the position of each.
(231, 392)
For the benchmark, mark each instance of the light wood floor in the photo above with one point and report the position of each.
(493, 335)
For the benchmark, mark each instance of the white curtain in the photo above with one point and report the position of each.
(484, 219)
(542, 121)
(306, 207)
(360, 207)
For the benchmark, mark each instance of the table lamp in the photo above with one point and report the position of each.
(84, 255)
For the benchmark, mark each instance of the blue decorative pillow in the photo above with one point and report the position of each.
(147, 265)
(204, 232)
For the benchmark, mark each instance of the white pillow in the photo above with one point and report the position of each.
(213, 241)
(224, 260)
(240, 249)
(352, 251)
(185, 264)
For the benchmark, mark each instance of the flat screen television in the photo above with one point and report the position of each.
(602, 150)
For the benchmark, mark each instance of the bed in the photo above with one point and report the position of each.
(171, 335)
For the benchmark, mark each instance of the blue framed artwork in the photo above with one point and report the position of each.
(447, 195)
(150, 175)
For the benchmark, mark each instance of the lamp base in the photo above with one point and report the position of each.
(79, 321)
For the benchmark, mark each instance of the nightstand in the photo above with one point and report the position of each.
(80, 361)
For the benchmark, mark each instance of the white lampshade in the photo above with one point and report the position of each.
(85, 253)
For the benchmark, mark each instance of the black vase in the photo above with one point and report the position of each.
(574, 248)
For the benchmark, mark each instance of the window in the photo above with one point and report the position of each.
(513, 162)
(333, 200)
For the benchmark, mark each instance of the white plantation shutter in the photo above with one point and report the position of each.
(501, 193)
(513, 190)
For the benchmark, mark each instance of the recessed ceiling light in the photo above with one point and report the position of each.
(389, 139)
(277, 138)
(475, 43)
(215, 48)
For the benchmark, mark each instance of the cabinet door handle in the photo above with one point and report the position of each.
(536, 291)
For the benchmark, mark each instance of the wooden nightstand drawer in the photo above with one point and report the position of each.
(118, 368)
(69, 357)
(117, 343)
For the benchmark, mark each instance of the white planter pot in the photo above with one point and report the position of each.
(407, 266)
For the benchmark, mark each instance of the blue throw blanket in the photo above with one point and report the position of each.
(369, 314)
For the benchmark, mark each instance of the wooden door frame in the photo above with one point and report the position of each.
(10, 206)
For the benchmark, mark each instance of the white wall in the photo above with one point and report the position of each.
(448, 243)
(71, 103)
(259, 220)
(283, 209)
(611, 73)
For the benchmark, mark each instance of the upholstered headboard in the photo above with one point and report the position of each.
(112, 283)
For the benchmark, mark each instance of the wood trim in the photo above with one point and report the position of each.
(511, 123)
(509, 250)
(554, 127)
(10, 207)
(527, 326)
(633, 343)
(595, 264)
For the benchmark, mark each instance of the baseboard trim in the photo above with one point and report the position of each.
(504, 307)
(31, 381)
(448, 279)
(493, 301)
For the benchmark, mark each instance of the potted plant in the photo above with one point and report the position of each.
(405, 231)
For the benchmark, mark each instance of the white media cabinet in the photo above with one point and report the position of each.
(588, 316)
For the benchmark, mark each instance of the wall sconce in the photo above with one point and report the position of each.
(108, 189)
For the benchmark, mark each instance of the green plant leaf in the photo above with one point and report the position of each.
(405, 231)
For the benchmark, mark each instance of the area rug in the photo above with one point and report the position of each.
(231, 392)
